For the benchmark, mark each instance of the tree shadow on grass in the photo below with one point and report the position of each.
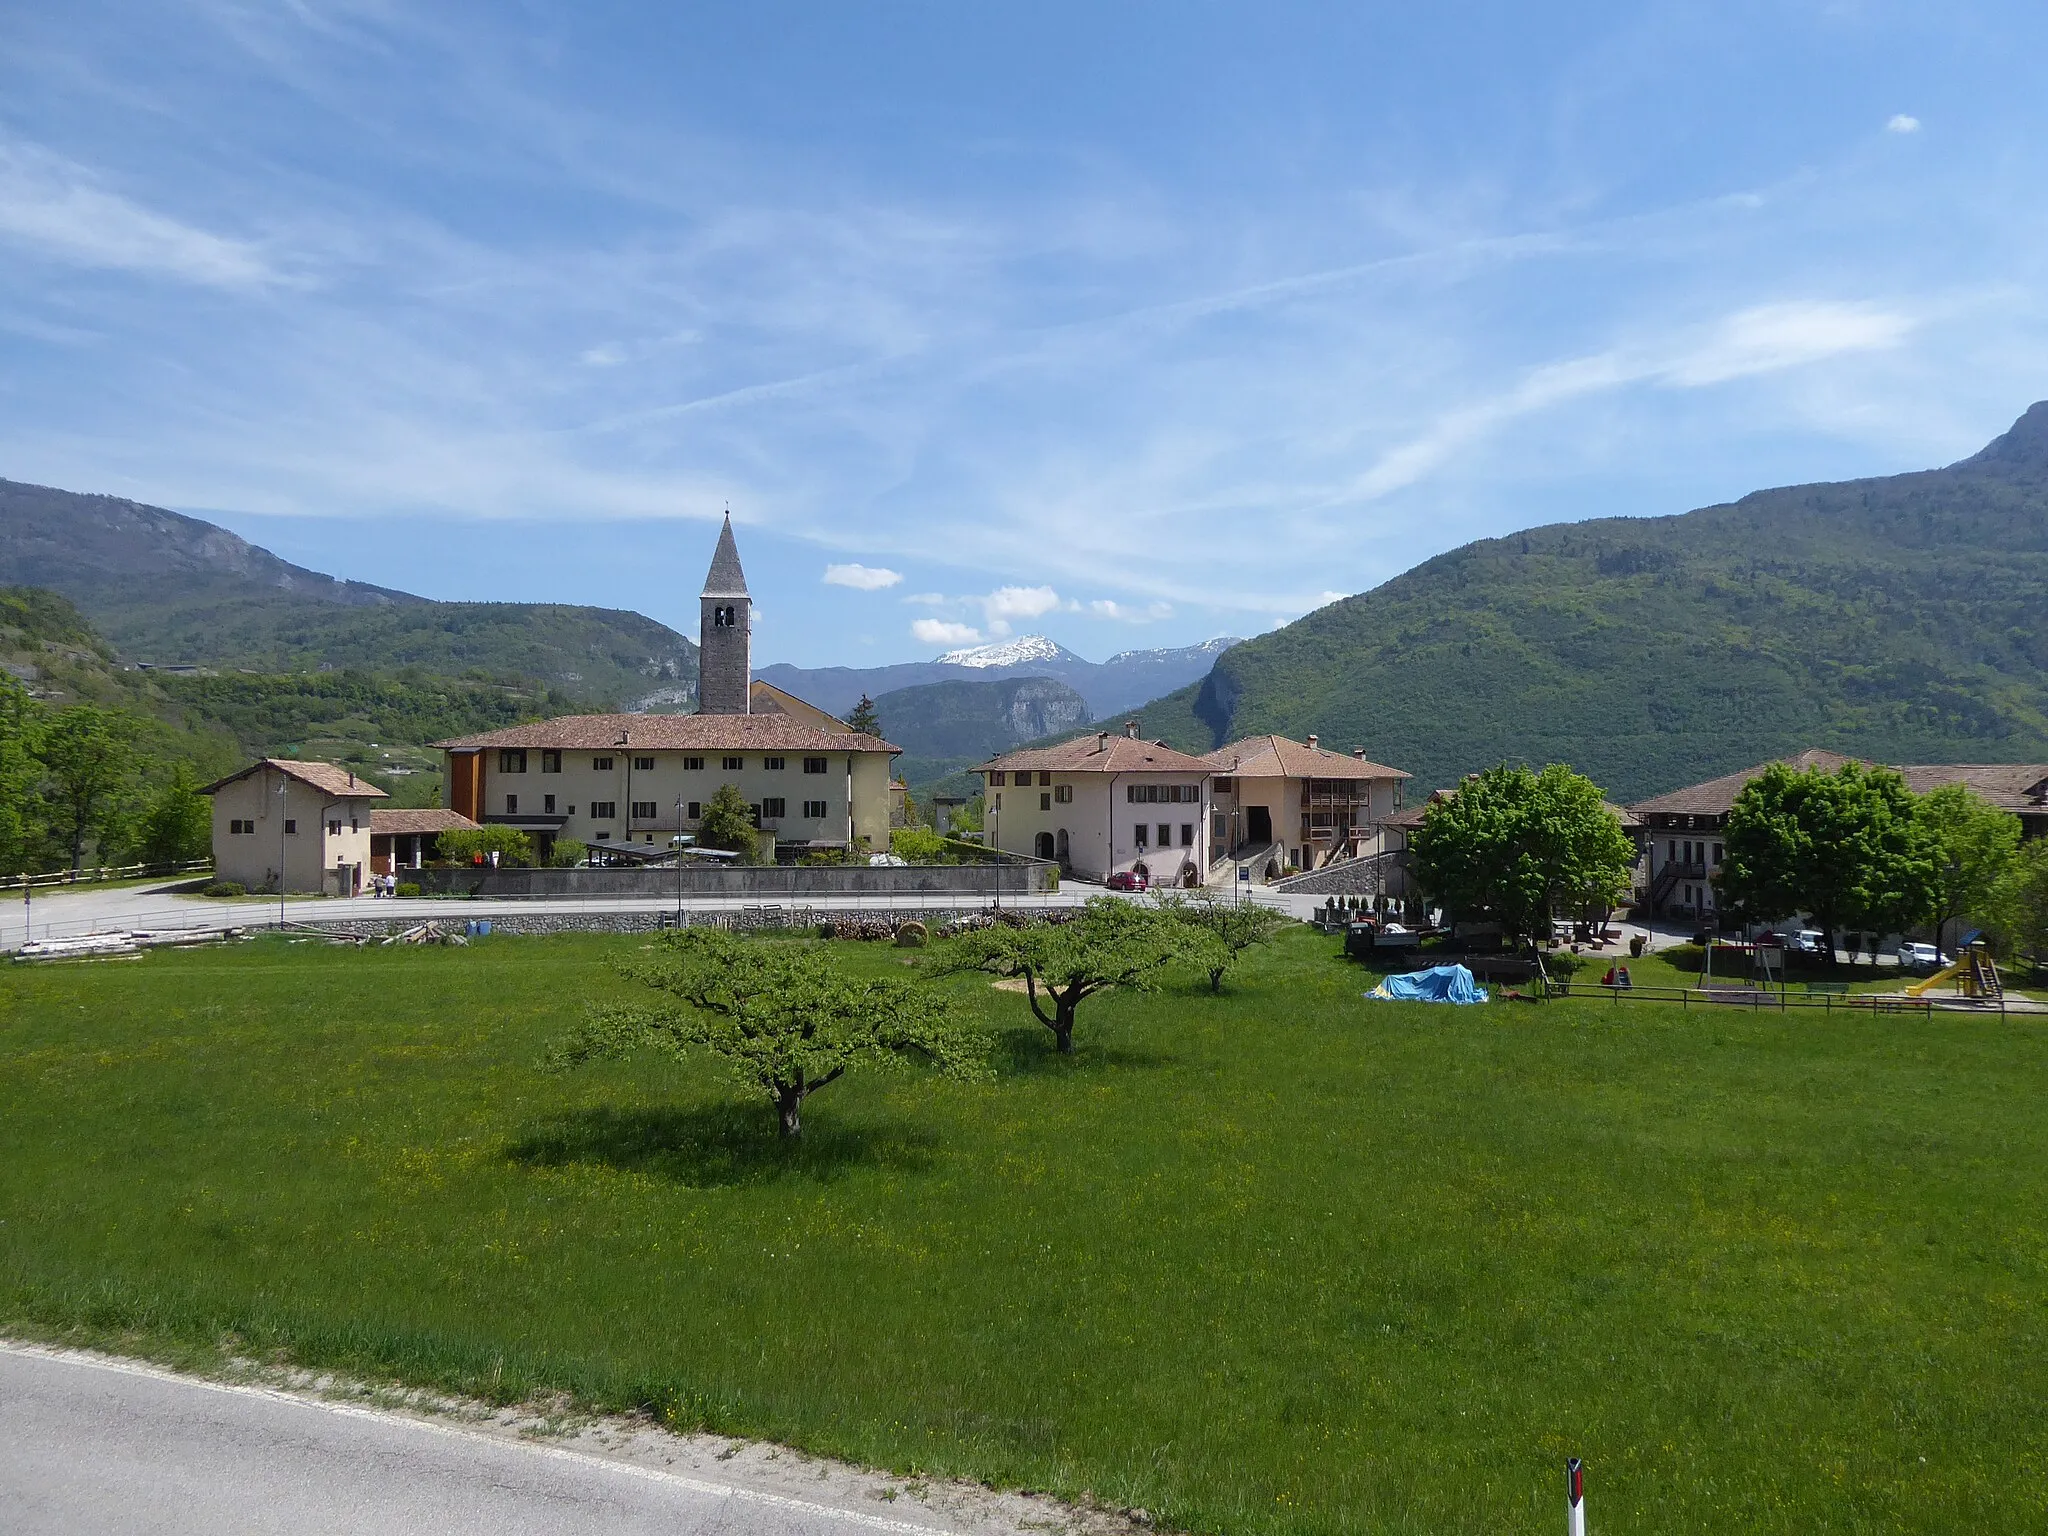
(1029, 1051)
(716, 1145)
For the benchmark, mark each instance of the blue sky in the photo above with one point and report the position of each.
(1131, 324)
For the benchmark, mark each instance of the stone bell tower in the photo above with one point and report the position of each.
(725, 663)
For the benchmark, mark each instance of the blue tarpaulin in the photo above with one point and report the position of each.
(1438, 984)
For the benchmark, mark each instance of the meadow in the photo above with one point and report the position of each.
(1283, 1260)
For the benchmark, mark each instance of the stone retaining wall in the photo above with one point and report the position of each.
(748, 883)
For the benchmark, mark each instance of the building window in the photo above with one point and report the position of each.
(772, 764)
(547, 804)
(722, 616)
(334, 829)
(600, 765)
(1165, 835)
(1045, 802)
(512, 760)
(603, 810)
(643, 765)
(995, 779)
(1224, 786)
(551, 762)
(645, 810)
(1139, 834)
(352, 825)
(511, 809)
(815, 765)
(814, 809)
(1063, 794)
(693, 765)
(237, 826)
(774, 808)
(1219, 825)
(1187, 834)
(732, 764)
(1717, 853)
(291, 827)
(696, 809)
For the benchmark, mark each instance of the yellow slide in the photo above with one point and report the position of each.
(1926, 984)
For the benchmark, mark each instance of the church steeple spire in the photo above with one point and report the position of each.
(725, 579)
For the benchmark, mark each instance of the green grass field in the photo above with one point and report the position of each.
(1283, 1261)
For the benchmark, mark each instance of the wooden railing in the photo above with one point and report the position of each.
(103, 872)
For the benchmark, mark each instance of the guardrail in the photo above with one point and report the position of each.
(101, 873)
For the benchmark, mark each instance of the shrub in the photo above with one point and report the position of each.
(918, 845)
(406, 888)
(225, 888)
(465, 845)
(567, 853)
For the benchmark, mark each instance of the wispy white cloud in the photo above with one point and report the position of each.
(1903, 123)
(862, 578)
(1128, 613)
(56, 206)
(1007, 605)
(943, 632)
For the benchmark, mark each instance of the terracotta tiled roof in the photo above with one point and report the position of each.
(1276, 757)
(2010, 786)
(406, 822)
(325, 777)
(1717, 796)
(672, 733)
(1101, 753)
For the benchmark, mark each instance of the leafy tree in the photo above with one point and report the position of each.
(728, 822)
(1514, 846)
(1973, 843)
(1108, 943)
(967, 818)
(88, 763)
(788, 1019)
(20, 773)
(864, 719)
(1844, 847)
(1224, 930)
(177, 824)
(464, 845)
(567, 853)
(918, 844)
(2019, 902)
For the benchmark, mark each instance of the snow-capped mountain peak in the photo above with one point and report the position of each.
(1005, 653)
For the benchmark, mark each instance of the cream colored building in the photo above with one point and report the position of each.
(309, 822)
(1288, 804)
(638, 780)
(1102, 804)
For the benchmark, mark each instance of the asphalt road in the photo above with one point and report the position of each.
(94, 1445)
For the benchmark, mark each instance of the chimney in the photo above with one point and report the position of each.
(1102, 741)
(351, 778)
(1131, 729)
(1359, 753)
(1311, 741)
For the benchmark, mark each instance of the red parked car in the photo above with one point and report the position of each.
(1128, 880)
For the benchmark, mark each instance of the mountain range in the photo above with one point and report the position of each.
(165, 589)
(1903, 618)
(946, 727)
(1126, 680)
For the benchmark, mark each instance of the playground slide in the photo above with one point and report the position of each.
(1927, 984)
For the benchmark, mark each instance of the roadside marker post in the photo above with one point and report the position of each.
(1574, 1497)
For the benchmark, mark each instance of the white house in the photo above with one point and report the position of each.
(1282, 803)
(1102, 804)
(308, 822)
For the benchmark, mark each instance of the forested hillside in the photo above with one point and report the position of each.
(97, 758)
(1903, 619)
(163, 587)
